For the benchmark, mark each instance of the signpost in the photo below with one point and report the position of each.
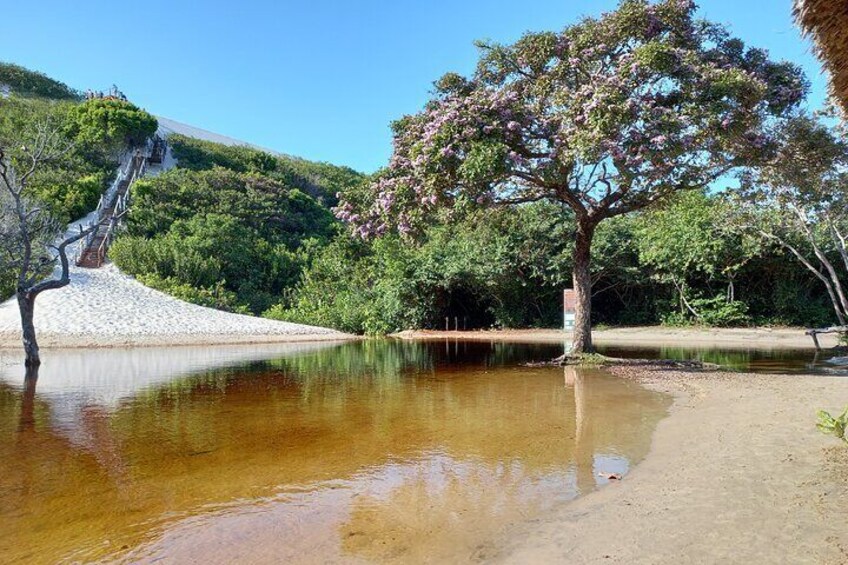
(569, 306)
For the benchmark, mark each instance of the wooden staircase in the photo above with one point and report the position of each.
(94, 253)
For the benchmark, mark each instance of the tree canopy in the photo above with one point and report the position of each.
(112, 123)
(608, 116)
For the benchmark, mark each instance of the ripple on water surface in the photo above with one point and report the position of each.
(379, 450)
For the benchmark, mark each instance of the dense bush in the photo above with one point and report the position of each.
(221, 230)
(493, 269)
(320, 180)
(110, 124)
(7, 284)
(508, 268)
(215, 296)
(25, 82)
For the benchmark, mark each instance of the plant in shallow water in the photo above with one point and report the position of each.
(827, 424)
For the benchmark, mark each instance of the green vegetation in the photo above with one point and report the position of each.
(507, 268)
(24, 82)
(111, 125)
(71, 188)
(836, 427)
(497, 268)
(87, 135)
(320, 180)
(95, 131)
(607, 117)
(238, 229)
(221, 237)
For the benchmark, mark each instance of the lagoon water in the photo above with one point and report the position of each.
(368, 451)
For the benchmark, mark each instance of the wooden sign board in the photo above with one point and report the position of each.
(569, 307)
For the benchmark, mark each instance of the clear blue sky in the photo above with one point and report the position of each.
(321, 80)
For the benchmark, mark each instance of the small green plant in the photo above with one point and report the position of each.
(829, 425)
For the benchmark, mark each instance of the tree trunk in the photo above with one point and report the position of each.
(582, 277)
(26, 304)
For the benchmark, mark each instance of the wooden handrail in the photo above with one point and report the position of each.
(117, 206)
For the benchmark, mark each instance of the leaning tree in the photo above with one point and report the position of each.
(798, 199)
(606, 117)
(28, 234)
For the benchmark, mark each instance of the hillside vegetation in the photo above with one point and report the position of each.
(320, 180)
(230, 227)
(97, 132)
(25, 82)
(247, 231)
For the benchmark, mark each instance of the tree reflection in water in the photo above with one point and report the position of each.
(382, 448)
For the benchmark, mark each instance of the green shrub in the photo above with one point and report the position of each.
(216, 296)
(251, 234)
(836, 427)
(111, 124)
(322, 181)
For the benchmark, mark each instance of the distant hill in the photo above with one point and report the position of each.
(24, 82)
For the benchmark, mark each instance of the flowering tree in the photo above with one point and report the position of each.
(606, 117)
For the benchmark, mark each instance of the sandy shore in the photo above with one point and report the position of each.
(743, 338)
(105, 308)
(737, 473)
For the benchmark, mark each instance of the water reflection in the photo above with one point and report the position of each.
(781, 361)
(376, 450)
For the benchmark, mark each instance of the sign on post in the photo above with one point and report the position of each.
(569, 307)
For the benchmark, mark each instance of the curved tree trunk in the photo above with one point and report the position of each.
(26, 304)
(582, 277)
(27, 294)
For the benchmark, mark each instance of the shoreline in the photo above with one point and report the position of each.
(11, 342)
(643, 336)
(106, 308)
(763, 486)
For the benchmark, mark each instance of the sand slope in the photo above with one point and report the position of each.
(104, 307)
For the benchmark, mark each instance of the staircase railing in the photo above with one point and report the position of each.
(114, 203)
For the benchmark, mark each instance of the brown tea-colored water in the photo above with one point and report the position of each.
(373, 451)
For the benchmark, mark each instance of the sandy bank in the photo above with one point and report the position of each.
(743, 338)
(105, 308)
(736, 474)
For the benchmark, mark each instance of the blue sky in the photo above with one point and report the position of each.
(318, 79)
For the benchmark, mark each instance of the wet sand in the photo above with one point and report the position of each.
(737, 473)
(654, 336)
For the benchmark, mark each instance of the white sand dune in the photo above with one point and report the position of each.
(104, 307)
(168, 126)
